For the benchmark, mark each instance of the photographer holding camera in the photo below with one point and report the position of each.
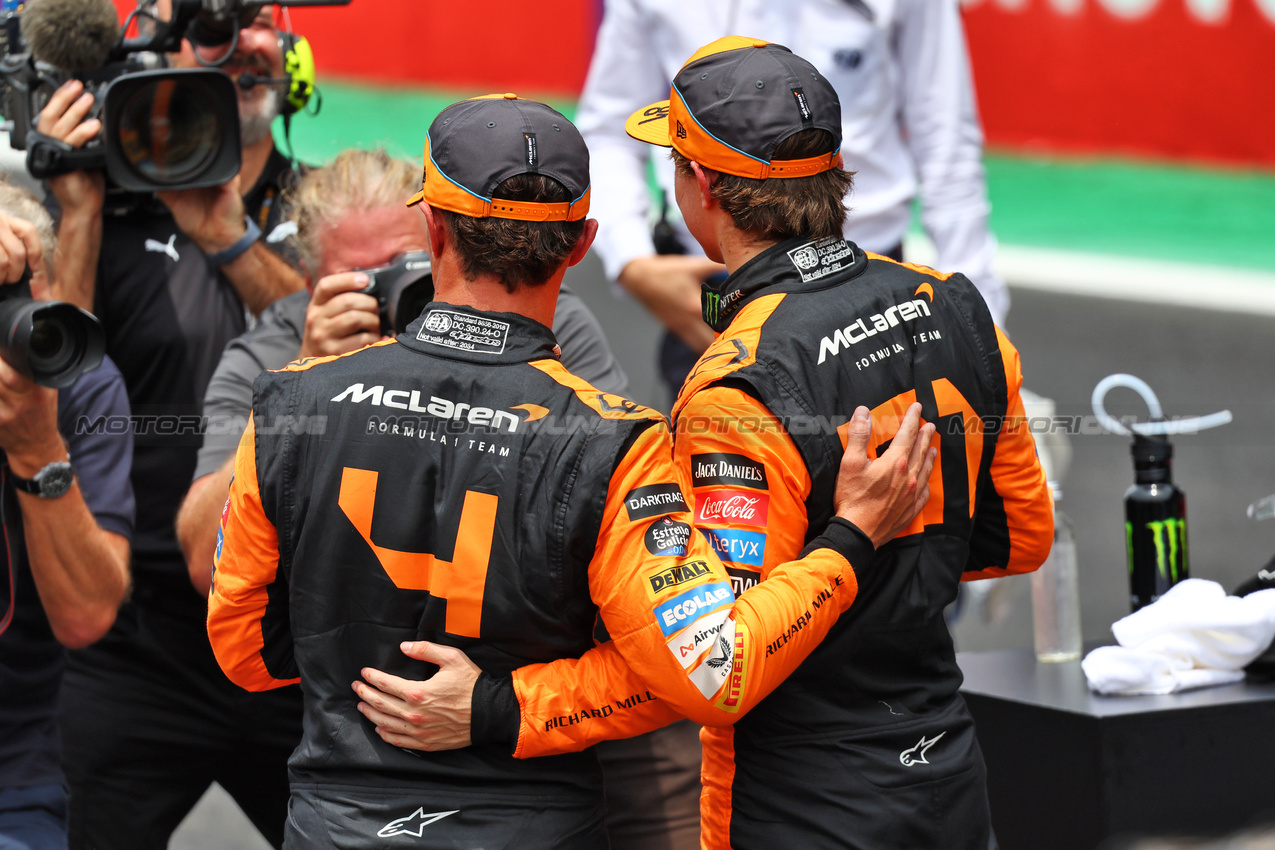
(352, 230)
(66, 506)
(149, 721)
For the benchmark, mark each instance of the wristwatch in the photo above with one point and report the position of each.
(49, 483)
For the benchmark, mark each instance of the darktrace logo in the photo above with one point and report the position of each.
(654, 500)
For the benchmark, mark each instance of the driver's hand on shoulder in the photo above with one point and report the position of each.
(341, 317)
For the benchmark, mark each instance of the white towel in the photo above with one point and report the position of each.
(1192, 637)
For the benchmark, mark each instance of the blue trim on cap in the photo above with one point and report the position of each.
(448, 179)
(714, 138)
(582, 194)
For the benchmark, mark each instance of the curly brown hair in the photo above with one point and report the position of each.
(519, 253)
(782, 208)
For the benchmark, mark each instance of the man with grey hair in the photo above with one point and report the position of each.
(66, 507)
(350, 222)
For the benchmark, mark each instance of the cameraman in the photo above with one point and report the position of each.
(66, 544)
(149, 721)
(349, 215)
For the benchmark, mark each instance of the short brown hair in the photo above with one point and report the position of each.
(782, 208)
(517, 252)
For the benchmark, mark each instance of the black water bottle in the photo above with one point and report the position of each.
(1155, 523)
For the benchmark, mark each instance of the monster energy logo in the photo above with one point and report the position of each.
(712, 306)
(1169, 534)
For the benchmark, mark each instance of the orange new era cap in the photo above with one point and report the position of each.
(475, 145)
(734, 101)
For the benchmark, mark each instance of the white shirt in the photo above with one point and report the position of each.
(909, 122)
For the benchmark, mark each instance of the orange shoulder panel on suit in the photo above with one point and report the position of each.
(245, 566)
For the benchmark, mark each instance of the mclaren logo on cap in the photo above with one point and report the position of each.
(801, 104)
(531, 149)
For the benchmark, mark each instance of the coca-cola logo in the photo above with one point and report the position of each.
(732, 506)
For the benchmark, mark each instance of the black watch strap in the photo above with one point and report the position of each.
(49, 483)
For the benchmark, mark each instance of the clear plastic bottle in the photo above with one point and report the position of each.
(1056, 596)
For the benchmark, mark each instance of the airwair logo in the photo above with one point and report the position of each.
(676, 575)
(441, 408)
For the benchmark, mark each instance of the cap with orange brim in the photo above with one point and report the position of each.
(475, 145)
(735, 101)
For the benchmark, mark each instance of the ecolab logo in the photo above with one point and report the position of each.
(858, 330)
(439, 407)
(679, 611)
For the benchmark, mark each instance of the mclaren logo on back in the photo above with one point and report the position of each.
(861, 328)
(442, 408)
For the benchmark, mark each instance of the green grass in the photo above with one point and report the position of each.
(1123, 207)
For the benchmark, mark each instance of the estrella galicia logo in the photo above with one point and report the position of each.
(725, 469)
(671, 577)
(654, 500)
(738, 547)
(680, 611)
(414, 824)
(667, 537)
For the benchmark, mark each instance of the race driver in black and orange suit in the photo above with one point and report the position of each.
(465, 488)
(868, 744)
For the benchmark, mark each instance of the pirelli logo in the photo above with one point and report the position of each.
(677, 575)
(735, 684)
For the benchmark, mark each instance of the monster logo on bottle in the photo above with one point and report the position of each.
(1155, 524)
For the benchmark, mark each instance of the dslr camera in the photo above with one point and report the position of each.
(162, 129)
(49, 342)
(402, 289)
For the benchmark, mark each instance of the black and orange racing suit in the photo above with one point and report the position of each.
(458, 485)
(868, 744)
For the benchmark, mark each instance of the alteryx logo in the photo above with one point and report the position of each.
(680, 611)
(738, 547)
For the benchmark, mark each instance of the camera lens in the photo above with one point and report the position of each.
(168, 130)
(52, 345)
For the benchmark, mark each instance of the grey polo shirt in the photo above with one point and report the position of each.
(275, 341)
